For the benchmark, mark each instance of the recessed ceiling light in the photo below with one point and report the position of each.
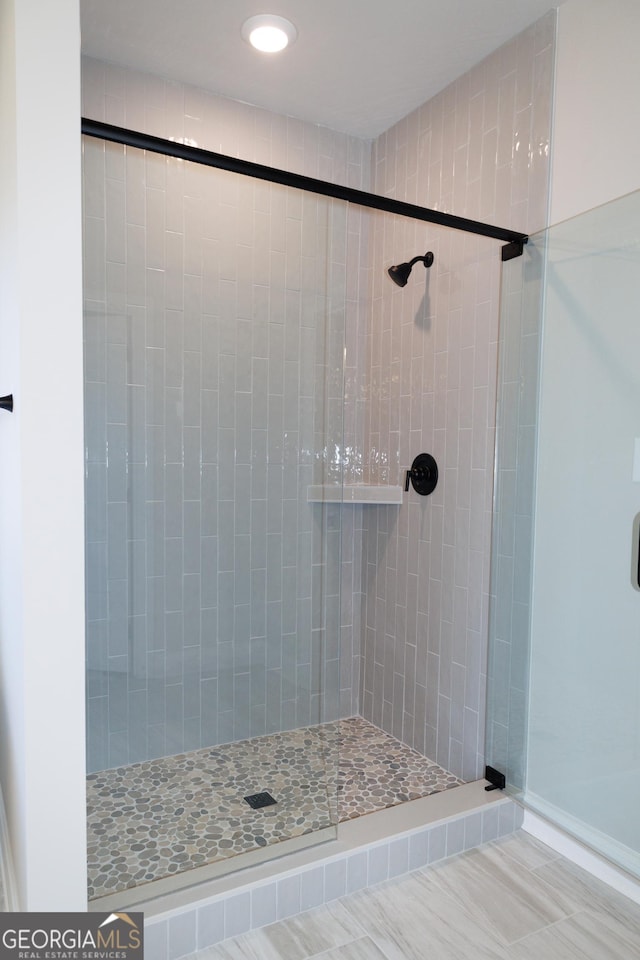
(268, 33)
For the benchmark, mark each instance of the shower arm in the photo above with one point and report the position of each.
(419, 259)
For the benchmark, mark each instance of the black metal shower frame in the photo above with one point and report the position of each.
(514, 241)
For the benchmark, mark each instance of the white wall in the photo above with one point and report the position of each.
(584, 607)
(584, 712)
(42, 728)
(596, 134)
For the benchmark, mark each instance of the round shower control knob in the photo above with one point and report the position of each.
(423, 474)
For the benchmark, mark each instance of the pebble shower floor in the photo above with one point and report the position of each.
(162, 817)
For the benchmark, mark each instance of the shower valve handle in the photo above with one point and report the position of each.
(423, 475)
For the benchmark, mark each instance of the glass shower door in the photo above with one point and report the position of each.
(214, 339)
(581, 659)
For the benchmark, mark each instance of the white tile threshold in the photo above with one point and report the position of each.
(368, 850)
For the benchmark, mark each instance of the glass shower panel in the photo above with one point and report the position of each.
(214, 333)
(513, 513)
(564, 669)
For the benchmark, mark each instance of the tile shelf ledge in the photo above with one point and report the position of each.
(354, 493)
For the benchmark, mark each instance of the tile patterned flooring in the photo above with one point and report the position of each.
(513, 899)
(163, 817)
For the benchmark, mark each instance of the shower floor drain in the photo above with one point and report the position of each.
(258, 800)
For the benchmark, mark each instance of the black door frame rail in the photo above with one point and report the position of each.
(514, 241)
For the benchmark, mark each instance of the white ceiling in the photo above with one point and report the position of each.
(357, 66)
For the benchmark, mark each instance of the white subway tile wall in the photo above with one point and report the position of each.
(215, 327)
(417, 367)
(479, 149)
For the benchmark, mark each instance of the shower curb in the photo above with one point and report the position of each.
(293, 884)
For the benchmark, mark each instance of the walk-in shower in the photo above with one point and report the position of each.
(217, 303)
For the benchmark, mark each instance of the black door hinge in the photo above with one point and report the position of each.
(497, 780)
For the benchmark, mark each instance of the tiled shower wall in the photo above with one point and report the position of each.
(215, 323)
(480, 149)
(419, 375)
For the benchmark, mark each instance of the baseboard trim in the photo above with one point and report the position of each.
(581, 855)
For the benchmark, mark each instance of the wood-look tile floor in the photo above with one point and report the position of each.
(514, 899)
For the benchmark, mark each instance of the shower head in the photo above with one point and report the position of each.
(400, 274)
